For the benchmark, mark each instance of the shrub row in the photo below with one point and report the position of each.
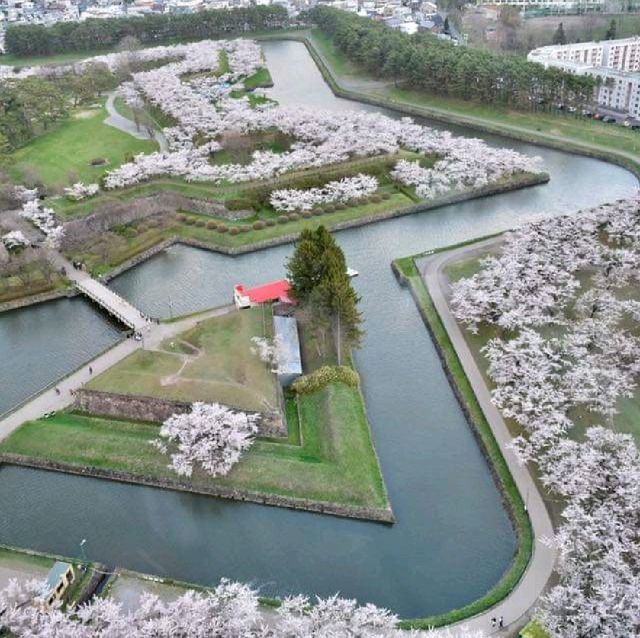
(322, 377)
(260, 224)
(257, 196)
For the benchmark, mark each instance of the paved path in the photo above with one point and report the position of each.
(60, 397)
(517, 605)
(368, 87)
(116, 120)
(111, 302)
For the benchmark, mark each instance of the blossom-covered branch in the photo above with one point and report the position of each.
(212, 437)
(343, 190)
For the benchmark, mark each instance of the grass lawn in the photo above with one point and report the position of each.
(60, 58)
(534, 630)
(547, 125)
(260, 79)
(13, 287)
(335, 463)
(211, 362)
(72, 146)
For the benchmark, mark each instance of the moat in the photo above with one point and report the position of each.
(449, 512)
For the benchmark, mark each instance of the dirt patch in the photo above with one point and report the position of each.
(83, 115)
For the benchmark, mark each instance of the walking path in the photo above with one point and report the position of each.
(518, 604)
(115, 305)
(116, 120)
(61, 396)
(371, 88)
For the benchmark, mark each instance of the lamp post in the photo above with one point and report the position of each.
(82, 550)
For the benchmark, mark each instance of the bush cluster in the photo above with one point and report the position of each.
(322, 377)
(241, 203)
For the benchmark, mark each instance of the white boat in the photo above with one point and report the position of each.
(352, 273)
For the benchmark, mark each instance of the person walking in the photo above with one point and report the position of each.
(493, 622)
(90, 370)
(501, 622)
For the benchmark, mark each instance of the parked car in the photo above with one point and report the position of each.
(607, 119)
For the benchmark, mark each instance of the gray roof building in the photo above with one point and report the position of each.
(285, 332)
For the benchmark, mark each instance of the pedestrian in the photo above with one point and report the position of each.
(493, 622)
(90, 370)
(58, 391)
(501, 622)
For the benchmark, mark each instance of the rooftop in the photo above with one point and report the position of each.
(286, 330)
(274, 291)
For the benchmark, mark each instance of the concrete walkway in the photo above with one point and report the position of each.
(111, 302)
(519, 603)
(116, 120)
(371, 88)
(61, 397)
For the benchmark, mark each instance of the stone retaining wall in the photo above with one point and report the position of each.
(29, 300)
(108, 214)
(515, 183)
(379, 515)
(155, 410)
(138, 259)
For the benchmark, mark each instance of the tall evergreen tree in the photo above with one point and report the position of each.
(560, 37)
(612, 31)
(317, 273)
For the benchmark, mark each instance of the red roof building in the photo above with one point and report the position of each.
(267, 293)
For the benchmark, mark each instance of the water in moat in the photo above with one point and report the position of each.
(453, 539)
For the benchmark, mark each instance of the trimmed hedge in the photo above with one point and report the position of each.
(322, 377)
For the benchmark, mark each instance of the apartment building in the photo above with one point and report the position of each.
(615, 63)
(555, 6)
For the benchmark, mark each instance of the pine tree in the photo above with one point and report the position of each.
(304, 266)
(559, 37)
(611, 31)
(317, 274)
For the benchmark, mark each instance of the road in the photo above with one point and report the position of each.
(516, 607)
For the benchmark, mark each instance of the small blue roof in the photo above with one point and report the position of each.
(55, 574)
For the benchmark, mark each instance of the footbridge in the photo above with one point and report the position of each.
(112, 303)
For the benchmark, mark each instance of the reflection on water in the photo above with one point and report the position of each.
(453, 540)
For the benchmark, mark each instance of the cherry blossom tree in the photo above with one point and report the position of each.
(268, 350)
(559, 292)
(81, 191)
(211, 437)
(45, 220)
(343, 190)
(14, 240)
(230, 610)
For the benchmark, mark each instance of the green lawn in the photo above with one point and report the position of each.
(211, 362)
(260, 79)
(534, 630)
(60, 58)
(72, 146)
(11, 558)
(546, 126)
(336, 462)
